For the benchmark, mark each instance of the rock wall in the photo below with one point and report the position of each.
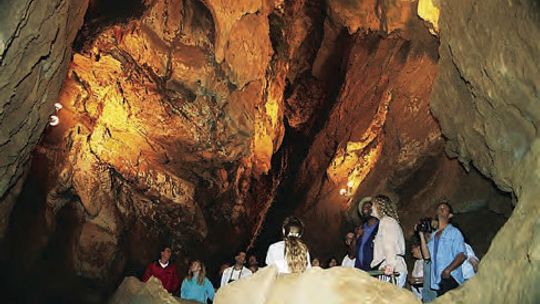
(486, 99)
(379, 135)
(161, 136)
(35, 50)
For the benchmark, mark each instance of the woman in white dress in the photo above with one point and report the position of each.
(290, 255)
(389, 244)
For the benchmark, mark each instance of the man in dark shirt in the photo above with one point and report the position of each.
(365, 236)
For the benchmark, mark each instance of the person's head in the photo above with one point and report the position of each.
(197, 270)
(366, 209)
(349, 238)
(166, 253)
(332, 262)
(383, 206)
(240, 258)
(415, 251)
(295, 250)
(316, 262)
(444, 212)
(292, 227)
(252, 260)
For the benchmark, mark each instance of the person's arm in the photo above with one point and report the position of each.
(458, 260)
(471, 257)
(269, 257)
(147, 273)
(183, 289)
(387, 229)
(176, 280)
(458, 250)
(209, 289)
(424, 247)
(224, 277)
(474, 262)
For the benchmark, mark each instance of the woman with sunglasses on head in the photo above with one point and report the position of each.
(290, 255)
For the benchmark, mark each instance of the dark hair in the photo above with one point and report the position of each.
(295, 250)
(330, 259)
(292, 221)
(162, 247)
(445, 202)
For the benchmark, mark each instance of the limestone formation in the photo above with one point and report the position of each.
(203, 123)
(486, 100)
(134, 291)
(35, 40)
(316, 286)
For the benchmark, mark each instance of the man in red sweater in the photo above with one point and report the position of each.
(164, 270)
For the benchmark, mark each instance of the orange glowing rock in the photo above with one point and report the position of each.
(352, 163)
(429, 11)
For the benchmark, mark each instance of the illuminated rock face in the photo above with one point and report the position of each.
(34, 56)
(189, 121)
(486, 99)
(155, 131)
(159, 138)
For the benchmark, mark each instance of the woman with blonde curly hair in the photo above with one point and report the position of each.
(290, 255)
(389, 244)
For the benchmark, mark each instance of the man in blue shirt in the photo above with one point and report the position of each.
(446, 248)
(364, 241)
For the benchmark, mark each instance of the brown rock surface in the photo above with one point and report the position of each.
(155, 134)
(372, 15)
(188, 122)
(335, 285)
(485, 98)
(35, 44)
(134, 291)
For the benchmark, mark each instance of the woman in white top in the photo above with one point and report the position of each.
(389, 244)
(290, 255)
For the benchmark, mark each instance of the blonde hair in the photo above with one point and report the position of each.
(296, 251)
(386, 206)
(202, 272)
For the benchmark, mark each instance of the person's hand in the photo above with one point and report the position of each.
(388, 270)
(446, 273)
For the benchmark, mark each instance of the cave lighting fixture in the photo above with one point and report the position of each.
(348, 191)
(53, 119)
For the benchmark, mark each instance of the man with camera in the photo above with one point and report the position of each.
(446, 249)
(237, 271)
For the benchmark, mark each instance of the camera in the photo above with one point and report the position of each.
(424, 225)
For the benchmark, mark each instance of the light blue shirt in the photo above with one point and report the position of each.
(450, 244)
(191, 290)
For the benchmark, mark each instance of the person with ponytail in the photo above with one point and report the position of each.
(389, 244)
(290, 255)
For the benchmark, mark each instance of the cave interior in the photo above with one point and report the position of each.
(204, 123)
